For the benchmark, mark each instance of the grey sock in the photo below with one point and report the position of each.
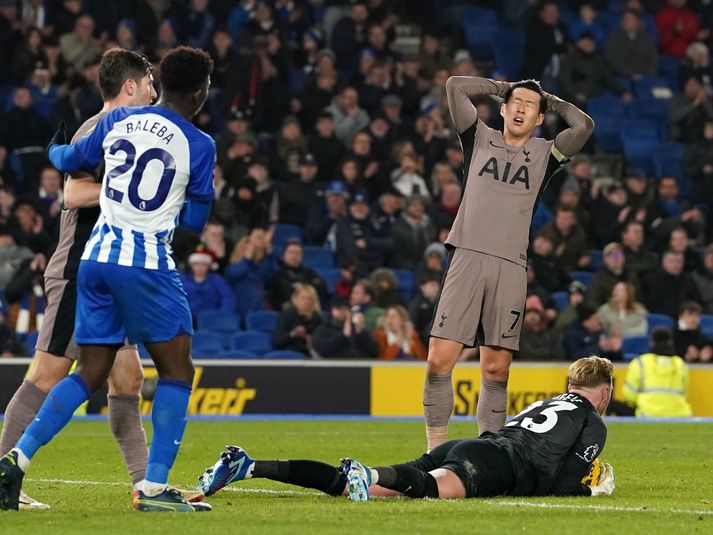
(125, 423)
(492, 405)
(20, 412)
(437, 399)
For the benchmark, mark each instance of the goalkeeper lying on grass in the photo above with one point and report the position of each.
(550, 448)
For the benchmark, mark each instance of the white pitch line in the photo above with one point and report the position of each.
(499, 503)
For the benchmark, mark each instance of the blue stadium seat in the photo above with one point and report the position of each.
(707, 325)
(585, 277)
(561, 300)
(206, 344)
(261, 320)
(669, 68)
(659, 320)
(219, 320)
(605, 105)
(668, 159)
(330, 276)
(256, 341)
(293, 355)
(607, 133)
(652, 86)
(315, 256)
(405, 283)
(477, 14)
(635, 344)
(479, 37)
(284, 232)
(236, 354)
(30, 341)
(597, 259)
(508, 50)
(639, 152)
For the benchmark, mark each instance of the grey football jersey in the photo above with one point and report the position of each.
(501, 189)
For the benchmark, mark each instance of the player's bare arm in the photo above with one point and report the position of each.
(81, 191)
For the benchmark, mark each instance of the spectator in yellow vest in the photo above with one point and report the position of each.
(657, 382)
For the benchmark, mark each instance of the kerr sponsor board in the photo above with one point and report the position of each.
(397, 391)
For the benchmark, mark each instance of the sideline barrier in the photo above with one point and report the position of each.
(235, 387)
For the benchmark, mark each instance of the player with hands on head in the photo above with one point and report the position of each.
(483, 294)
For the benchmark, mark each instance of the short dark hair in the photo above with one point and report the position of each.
(690, 306)
(185, 69)
(118, 65)
(532, 85)
(662, 341)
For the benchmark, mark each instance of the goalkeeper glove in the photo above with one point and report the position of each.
(59, 137)
(605, 485)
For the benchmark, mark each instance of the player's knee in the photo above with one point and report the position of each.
(442, 355)
(439, 364)
(496, 371)
(48, 370)
(128, 384)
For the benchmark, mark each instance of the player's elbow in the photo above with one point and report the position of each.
(588, 125)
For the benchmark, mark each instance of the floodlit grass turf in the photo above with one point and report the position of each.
(663, 475)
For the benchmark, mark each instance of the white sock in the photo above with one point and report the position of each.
(149, 488)
(374, 476)
(22, 461)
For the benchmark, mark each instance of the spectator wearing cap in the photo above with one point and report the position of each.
(413, 230)
(382, 136)
(290, 148)
(406, 177)
(689, 111)
(359, 236)
(622, 314)
(703, 280)
(690, 343)
(537, 341)
(666, 288)
(569, 239)
(630, 49)
(585, 337)
(326, 148)
(298, 321)
(349, 118)
(343, 334)
(317, 95)
(576, 291)
(391, 106)
(291, 271)
(305, 57)
(433, 263)
(44, 93)
(349, 35)
(637, 257)
(422, 306)
(585, 73)
(206, 290)
(547, 271)
(297, 196)
(613, 270)
(321, 227)
(570, 196)
(387, 210)
(79, 47)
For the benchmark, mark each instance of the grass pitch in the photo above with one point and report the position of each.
(663, 477)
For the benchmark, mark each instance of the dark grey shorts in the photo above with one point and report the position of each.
(481, 301)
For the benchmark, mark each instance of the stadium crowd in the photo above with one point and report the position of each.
(339, 174)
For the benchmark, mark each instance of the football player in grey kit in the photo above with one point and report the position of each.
(483, 294)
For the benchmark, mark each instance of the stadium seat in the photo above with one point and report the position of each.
(561, 300)
(236, 354)
(607, 133)
(404, 280)
(597, 259)
(480, 37)
(639, 151)
(606, 105)
(330, 276)
(316, 257)
(284, 232)
(707, 325)
(256, 341)
(585, 277)
(635, 344)
(508, 50)
(219, 320)
(653, 86)
(669, 68)
(30, 342)
(294, 355)
(668, 159)
(628, 357)
(261, 320)
(206, 344)
(659, 320)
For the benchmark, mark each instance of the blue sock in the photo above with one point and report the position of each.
(169, 422)
(56, 412)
